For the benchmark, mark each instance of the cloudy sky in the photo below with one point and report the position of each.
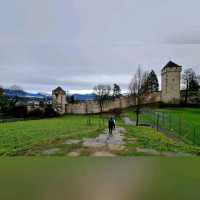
(79, 43)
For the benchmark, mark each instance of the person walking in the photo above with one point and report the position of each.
(111, 125)
(114, 122)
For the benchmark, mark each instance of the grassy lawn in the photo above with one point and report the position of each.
(18, 136)
(191, 115)
(35, 136)
(183, 122)
(151, 139)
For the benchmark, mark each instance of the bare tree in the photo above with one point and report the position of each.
(103, 92)
(190, 80)
(136, 90)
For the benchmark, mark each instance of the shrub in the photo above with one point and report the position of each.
(19, 111)
(50, 112)
(36, 113)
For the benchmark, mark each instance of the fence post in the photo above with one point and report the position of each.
(169, 122)
(102, 121)
(89, 120)
(163, 119)
(194, 136)
(157, 121)
(154, 119)
(180, 125)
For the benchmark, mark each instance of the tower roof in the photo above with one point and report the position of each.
(171, 64)
(58, 90)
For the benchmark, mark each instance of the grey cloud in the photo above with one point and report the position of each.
(192, 37)
(77, 44)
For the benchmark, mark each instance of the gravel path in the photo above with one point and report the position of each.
(127, 121)
(103, 144)
(104, 139)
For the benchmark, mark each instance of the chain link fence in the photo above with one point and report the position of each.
(97, 120)
(174, 124)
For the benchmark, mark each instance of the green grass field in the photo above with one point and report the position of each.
(184, 122)
(18, 136)
(191, 115)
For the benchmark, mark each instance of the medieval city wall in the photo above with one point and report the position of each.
(93, 106)
(170, 94)
(153, 97)
(120, 103)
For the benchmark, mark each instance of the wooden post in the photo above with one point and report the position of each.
(157, 121)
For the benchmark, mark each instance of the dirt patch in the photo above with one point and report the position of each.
(74, 153)
(116, 147)
(127, 121)
(176, 154)
(52, 151)
(72, 142)
(103, 154)
(148, 151)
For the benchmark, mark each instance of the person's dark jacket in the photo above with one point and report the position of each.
(111, 123)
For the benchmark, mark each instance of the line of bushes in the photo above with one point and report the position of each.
(21, 111)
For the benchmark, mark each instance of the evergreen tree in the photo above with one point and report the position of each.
(152, 81)
(1, 91)
(3, 100)
(190, 79)
(194, 85)
(116, 90)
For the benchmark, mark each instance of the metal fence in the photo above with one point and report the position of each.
(99, 121)
(174, 124)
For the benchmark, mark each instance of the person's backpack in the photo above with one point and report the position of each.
(110, 122)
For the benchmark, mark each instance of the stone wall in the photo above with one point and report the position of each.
(93, 106)
(123, 102)
(153, 97)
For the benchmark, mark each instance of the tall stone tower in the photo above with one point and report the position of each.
(59, 100)
(171, 81)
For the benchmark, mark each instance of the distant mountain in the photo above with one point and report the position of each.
(84, 97)
(43, 96)
(26, 95)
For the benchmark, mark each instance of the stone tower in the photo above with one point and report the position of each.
(59, 100)
(171, 81)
